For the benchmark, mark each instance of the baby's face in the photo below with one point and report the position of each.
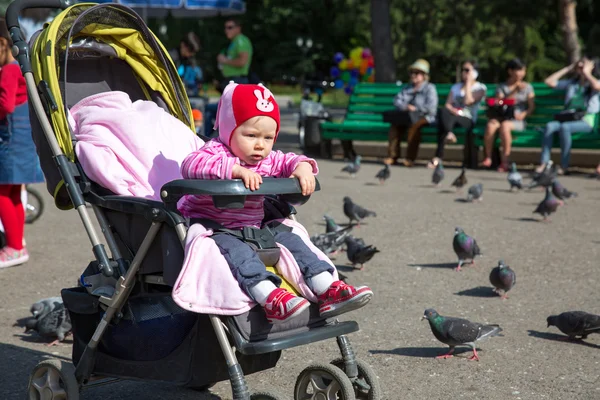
(252, 141)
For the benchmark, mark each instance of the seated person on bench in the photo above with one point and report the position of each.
(248, 124)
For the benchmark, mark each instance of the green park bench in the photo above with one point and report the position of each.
(364, 118)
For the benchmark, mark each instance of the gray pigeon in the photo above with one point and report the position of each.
(458, 332)
(45, 305)
(548, 205)
(465, 247)
(575, 323)
(53, 324)
(543, 178)
(560, 191)
(460, 180)
(330, 242)
(503, 278)
(353, 167)
(330, 225)
(514, 178)
(475, 192)
(358, 252)
(355, 212)
(384, 174)
(438, 174)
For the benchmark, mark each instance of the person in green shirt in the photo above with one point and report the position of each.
(236, 59)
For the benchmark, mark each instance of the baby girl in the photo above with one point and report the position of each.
(248, 124)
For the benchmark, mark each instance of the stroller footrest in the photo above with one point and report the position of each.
(328, 331)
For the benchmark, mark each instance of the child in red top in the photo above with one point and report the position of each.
(19, 163)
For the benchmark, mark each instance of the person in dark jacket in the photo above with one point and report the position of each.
(187, 67)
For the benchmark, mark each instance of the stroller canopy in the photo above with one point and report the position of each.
(101, 30)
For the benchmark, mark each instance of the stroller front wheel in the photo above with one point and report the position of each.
(323, 381)
(53, 380)
(265, 396)
(366, 385)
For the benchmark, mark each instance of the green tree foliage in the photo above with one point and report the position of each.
(442, 31)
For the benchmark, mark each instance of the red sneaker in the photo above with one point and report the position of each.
(282, 306)
(341, 298)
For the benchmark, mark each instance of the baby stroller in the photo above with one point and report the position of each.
(125, 322)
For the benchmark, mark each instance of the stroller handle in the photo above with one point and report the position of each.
(19, 49)
(289, 189)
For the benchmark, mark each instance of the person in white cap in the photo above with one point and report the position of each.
(248, 123)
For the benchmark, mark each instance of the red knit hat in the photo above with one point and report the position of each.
(239, 103)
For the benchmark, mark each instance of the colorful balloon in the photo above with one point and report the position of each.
(338, 57)
(334, 72)
(345, 76)
(339, 84)
(354, 73)
(343, 65)
(366, 53)
(348, 90)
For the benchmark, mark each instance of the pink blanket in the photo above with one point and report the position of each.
(135, 148)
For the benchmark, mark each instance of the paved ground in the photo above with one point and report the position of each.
(556, 265)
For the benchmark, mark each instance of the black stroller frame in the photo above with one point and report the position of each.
(345, 378)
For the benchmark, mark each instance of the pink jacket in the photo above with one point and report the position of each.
(215, 161)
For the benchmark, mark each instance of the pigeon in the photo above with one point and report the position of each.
(465, 247)
(460, 180)
(48, 304)
(438, 174)
(330, 225)
(548, 205)
(475, 193)
(353, 167)
(355, 212)
(514, 178)
(383, 174)
(503, 278)
(457, 331)
(575, 323)
(55, 324)
(358, 252)
(330, 242)
(560, 191)
(543, 178)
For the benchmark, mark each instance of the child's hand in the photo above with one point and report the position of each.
(251, 180)
(306, 177)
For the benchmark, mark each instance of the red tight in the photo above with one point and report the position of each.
(12, 215)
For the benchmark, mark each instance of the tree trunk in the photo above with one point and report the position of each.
(381, 38)
(568, 21)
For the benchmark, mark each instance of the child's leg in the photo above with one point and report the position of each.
(335, 297)
(261, 285)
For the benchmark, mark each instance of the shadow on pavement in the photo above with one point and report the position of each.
(425, 352)
(523, 219)
(560, 338)
(438, 265)
(480, 291)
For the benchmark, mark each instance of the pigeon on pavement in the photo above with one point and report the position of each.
(330, 242)
(503, 278)
(543, 178)
(54, 324)
(438, 174)
(514, 178)
(475, 192)
(355, 212)
(548, 205)
(330, 224)
(460, 180)
(458, 332)
(575, 323)
(465, 247)
(358, 252)
(353, 167)
(560, 191)
(383, 174)
(45, 305)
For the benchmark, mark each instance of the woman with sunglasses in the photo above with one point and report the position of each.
(522, 93)
(460, 109)
(582, 97)
(416, 106)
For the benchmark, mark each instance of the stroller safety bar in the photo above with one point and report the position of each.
(232, 193)
(20, 49)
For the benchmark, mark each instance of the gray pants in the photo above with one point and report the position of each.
(248, 269)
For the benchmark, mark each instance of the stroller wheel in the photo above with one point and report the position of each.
(34, 207)
(52, 380)
(366, 385)
(323, 381)
(265, 396)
